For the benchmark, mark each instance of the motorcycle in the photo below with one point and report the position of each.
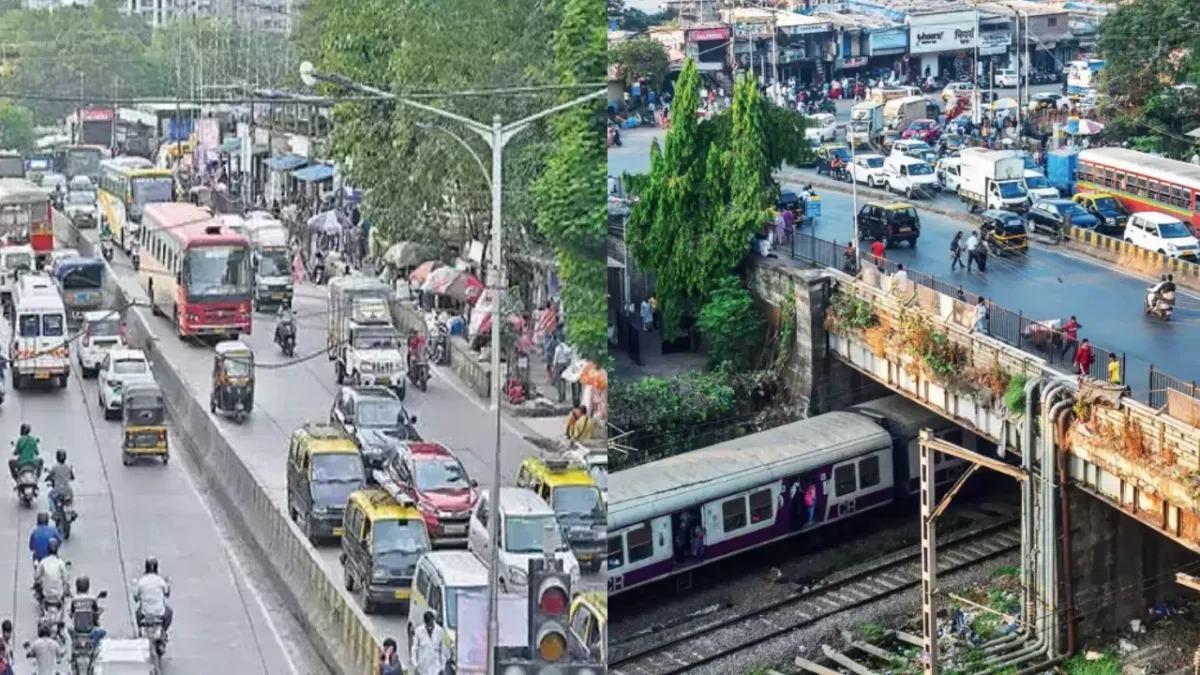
(27, 485)
(285, 337)
(1162, 306)
(151, 628)
(418, 372)
(106, 249)
(64, 514)
(85, 635)
(840, 174)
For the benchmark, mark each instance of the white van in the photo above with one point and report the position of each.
(525, 519)
(440, 577)
(14, 261)
(1039, 187)
(909, 176)
(40, 348)
(1163, 234)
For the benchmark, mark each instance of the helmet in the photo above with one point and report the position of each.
(43, 518)
(151, 565)
(83, 585)
(53, 546)
(25, 428)
(61, 455)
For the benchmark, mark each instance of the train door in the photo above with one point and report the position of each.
(841, 499)
(800, 515)
(688, 542)
(632, 550)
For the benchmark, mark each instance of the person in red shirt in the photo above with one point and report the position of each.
(877, 251)
(1071, 331)
(1083, 358)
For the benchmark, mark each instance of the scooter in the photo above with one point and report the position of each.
(151, 628)
(106, 249)
(1162, 306)
(64, 514)
(285, 337)
(27, 485)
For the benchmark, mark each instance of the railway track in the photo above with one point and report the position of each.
(735, 634)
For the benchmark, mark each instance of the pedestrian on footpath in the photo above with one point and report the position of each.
(877, 249)
(1084, 358)
(981, 315)
(956, 247)
(972, 245)
(429, 652)
(389, 659)
(1114, 369)
(1070, 334)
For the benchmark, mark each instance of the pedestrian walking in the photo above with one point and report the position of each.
(972, 245)
(956, 247)
(389, 659)
(1070, 334)
(981, 256)
(429, 652)
(981, 315)
(1084, 357)
(877, 249)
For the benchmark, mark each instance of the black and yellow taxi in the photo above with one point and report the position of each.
(568, 488)
(826, 153)
(889, 222)
(1004, 231)
(382, 540)
(324, 468)
(589, 623)
(1111, 216)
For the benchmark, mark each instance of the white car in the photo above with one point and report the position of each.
(914, 148)
(868, 169)
(957, 90)
(101, 334)
(1049, 100)
(1039, 187)
(62, 254)
(1006, 77)
(120, 368)
(909, 176)
(1163, 234)
(525, 519)
(822, 127)
(949, 173)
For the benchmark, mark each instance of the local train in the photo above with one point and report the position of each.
(670, 517)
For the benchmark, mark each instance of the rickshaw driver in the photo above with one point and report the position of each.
(26, 453)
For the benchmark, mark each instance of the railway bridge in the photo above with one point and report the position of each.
(1112, 504)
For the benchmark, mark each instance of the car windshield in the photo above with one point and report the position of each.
(441, 474)
(153, 190)
(104, 328)
(526, 534)
(905, 215)
(577, 499)
(215, 271)
(238, 365)
(1074, 210)
(1175, 230)
(81, 198)
(874, 162)
(18, 261)
(1011, 189)
(335, 478)
(920, 169)
(378, 413)
(400, 537)
(129, 367)
(1107, 205)
(375, 339)
(452, 603)
(274, 264)
(841, 153)
(1036, 182)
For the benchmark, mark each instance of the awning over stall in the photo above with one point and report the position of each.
(314, 173)
(286, 162)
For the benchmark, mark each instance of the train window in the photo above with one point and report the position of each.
(761, 506)
(733, 511)
(868, 472)
(616, 552)
(844, 480)
(641, 543)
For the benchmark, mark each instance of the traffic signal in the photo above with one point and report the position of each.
(526, 667)
(549, 612)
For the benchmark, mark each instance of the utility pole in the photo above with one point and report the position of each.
(774, 54)
(1017, 51)
(116, 116)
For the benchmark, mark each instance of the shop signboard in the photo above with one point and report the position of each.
(994, 42)
(892, 41)
(856, 62)
(708, 34)
(793, 54)
(945, 32)
(751, 29)
(807, 28)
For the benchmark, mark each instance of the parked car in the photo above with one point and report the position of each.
(1161, 233)
(957, 90)
(868, 169)
(914, 148)
(1107, 209)
(1006, 77)
(822, 127)
(923, 130)
(1050, 215)
(1049, 100)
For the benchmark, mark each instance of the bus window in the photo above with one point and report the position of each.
(1141, 187)
(1119, 180)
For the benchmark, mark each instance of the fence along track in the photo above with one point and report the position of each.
(739, 633)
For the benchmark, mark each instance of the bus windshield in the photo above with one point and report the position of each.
(84, 162)
(12, 167)
(86, 276)
(217, 271)
(153, 190)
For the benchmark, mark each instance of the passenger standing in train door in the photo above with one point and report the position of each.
(810, 501)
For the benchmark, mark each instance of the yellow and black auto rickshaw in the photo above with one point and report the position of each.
(144, 423)
(233, 380)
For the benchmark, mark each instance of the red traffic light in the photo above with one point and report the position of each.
(553, 600)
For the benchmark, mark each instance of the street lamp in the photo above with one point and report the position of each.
(496, 135)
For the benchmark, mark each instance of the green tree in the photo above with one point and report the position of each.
(572, 214)
(732, 327)
(641, 57)
(638, 21)
(16, 127)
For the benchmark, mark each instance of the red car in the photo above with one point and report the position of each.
(439, 485)
(923, 130)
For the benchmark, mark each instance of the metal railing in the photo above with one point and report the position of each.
(1161, 383)
(1036, 338)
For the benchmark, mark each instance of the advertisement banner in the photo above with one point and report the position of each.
(995, 42)
(942, 33)
(96, 115)
(856, 62)
(807, 29)
(892, 41)
(513, 613)
(751, 29)
(706, 34)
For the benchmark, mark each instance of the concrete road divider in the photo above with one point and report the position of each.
(334, 622)
(1134, 258)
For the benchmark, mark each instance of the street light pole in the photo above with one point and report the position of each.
(496, 135)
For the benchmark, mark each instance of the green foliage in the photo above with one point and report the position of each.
(731, 325)
(850, 313)
(572, 214)
(16, 127)
(872, 633)
(986, 626)
(1014, 395)
(1109, 664)
(671, 416)
(1006, 572)
(637, 21)
(641, 57)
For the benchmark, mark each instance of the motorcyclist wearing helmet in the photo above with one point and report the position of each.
(59, 478)
(25, 452)
(150, 594)
(85, 610)
(285, 326)
(41, 536)
(50, 579)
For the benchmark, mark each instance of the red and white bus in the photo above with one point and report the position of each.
(196, 270)
(1142, 182)
(25, 212)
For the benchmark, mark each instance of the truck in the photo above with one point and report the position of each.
(272, 268)
(898, 112)
(866, 123)
(360, 338)
(992, 179)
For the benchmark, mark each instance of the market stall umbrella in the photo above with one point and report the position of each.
(423, 271)
(406, 254)
(1078, 127)
(454, 283)
(327, 223)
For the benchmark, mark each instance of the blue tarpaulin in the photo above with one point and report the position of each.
(314, 173)
(286, 162)
(231, 145)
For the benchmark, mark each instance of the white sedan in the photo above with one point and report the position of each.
(868, 169)
(822, 127)
(121, 368)
(101, 334)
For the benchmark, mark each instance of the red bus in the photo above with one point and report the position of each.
(25, 212)
(196, 270)
(1142, 182)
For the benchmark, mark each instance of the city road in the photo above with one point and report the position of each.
(1048, 284)
(222, 622)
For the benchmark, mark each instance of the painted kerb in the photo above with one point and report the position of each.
(335, 623)
(1135, 258)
